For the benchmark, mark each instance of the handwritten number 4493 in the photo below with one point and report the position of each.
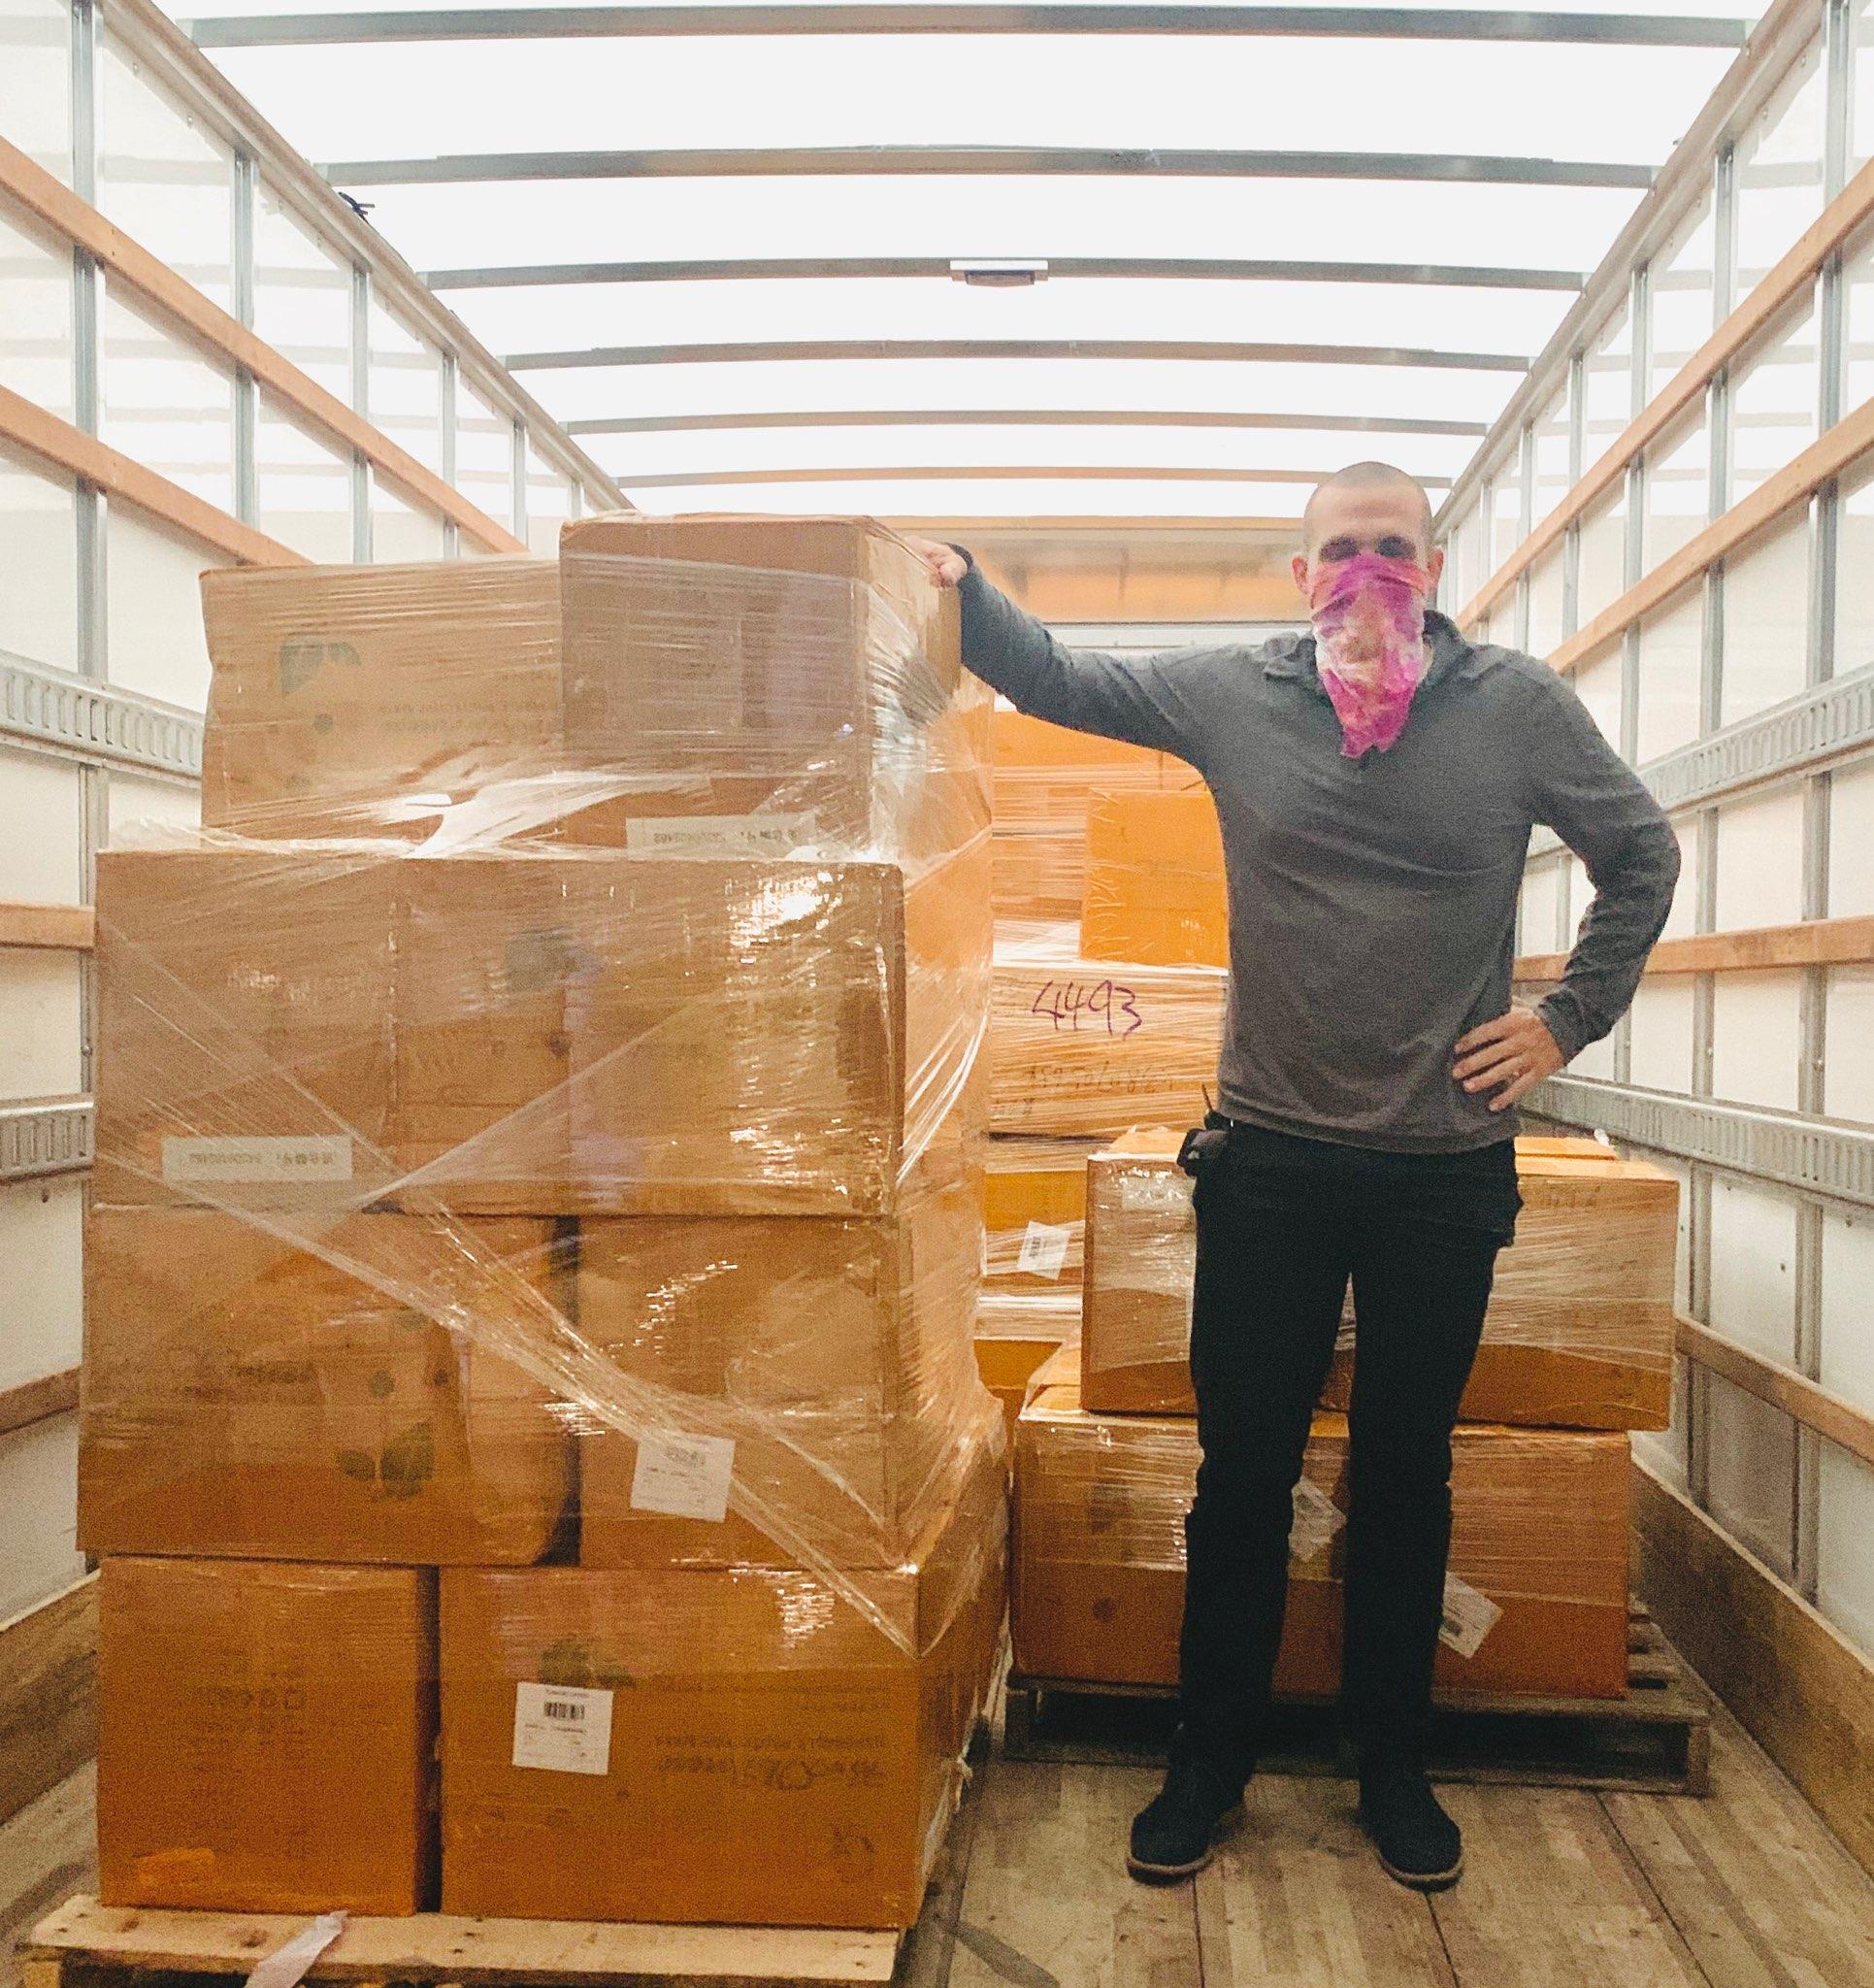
(1102, 1002)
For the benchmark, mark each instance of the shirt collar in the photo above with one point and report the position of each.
(1292, 655)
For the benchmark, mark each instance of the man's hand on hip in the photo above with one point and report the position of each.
(947, 564)
(1511, 1056)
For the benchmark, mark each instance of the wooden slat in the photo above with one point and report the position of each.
(1816, 943)
(1794, 483)
(1813, 1405)
(1778, 290)
(62, 927)
(211, 328)
(36, 1401)
(78, 455)
(1792, 1679)
(49, 1725)
(439, 1946)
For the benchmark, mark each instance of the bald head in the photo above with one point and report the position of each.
(1365, 483)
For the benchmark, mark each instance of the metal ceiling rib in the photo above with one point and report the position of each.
(737, 352)
(1001, 160)
(540, 23)
(1024, 418)
(1452, 275)
(995, 471)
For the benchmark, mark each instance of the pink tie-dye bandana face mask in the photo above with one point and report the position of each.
(1368, 614)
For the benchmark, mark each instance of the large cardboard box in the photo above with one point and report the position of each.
(834, 1356)
(1083, 1049)
(1034, 1210)
(246, 1395)
(1580, 1328)
(245, 1030)
(744, 1746)
(1538, 1586)
(362, 700)
(1017, 1334)
(1155, 881)
(769, 685)
(1045, 780)
(766, 1037)
(266, 1736)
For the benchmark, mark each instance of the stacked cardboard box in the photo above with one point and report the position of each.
(1155, 881)
(632, 1110)
(1576, 1351)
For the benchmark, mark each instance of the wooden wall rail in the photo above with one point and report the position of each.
(1815, 943)
(63, 928)
(1777, 291)
(49, 1724)
(38, 1401)
(29, 427)
(209, 327)
(1803, 1399)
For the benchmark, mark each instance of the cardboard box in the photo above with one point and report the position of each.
(1033, 1208)
(244, 1034)
(834, 1356)
(1539, 1530)
(1580, 1328)
(346, 700)
(266, 1736)
(1016, 1337)
(1046, 778)
(245, 1396)
(1155, 881)
(770, 685)
(777, 1039)
(1081, 1049)
(754, 1747)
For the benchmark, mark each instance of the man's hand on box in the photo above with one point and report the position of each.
(947, 564)
(1511, 1056)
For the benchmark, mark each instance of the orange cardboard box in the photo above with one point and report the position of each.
(1034, 1210)
(348, 700)
(767, 685)
(1539, 1588)
(266, 1736)
(1580, 1328)
(835, 1357)
(750, 1746)
(245, 1396)
(1155, 881)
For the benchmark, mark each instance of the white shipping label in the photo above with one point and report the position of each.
(722, 835)
(685, 1476)
(1164, 1191)
(1044, 1249)
(247, 1162)
(563, 1728)
(1317, 1520)
(1469, 1616)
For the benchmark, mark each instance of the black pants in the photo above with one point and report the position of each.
(1283, 1225)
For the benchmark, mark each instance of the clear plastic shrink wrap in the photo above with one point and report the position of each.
(1155, 881)
(1579, 1333)
(1081, 1049)
(596, 1097)
(1534, 1604)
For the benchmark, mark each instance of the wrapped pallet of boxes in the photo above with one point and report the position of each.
(1532, 1607)
(1045, 782)
(438, 1172)
(1082, 1049)
(1579, 1331)
(1155, 881)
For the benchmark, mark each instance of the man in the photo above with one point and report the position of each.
(1376, 782)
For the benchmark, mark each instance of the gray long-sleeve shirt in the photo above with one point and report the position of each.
(1372, 901)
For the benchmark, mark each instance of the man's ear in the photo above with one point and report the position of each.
(1299, 567)
(1434, 566)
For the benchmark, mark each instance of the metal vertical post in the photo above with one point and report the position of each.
(1525, 524)
(451, 531)
(519, 438)
(361, 405)
(1571, 539)
(247, 394)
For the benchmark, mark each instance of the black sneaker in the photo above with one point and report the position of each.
(1417, 1841)
(1174, 1835)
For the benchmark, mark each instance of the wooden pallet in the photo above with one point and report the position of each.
(1655, 1740)
(85, 1940)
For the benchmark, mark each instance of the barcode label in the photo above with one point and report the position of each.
(1044, 1249)
(1469, 1616)
(1317, 1520)
(721, 835)
(684, 1476)
(248, 1162)
(563, 1729)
